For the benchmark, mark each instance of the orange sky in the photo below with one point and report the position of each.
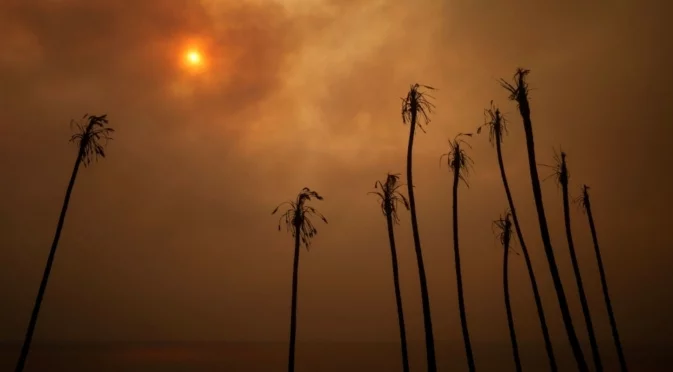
(171, 236)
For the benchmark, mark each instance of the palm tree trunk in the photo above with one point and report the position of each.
(459, 276)
(526, 255)
(604, 284)
(47, 270)
(578, 279)
(508, 307)
(425, 298)
(546, 240)
(398, 294)
(293, 311)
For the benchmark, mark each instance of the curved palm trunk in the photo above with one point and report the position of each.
(578, 279)
(293, 311)
(582, 366)
(398, 294)
(425, 298)
(604, 284)
(529, 264)
(47, 270)
(508, 307)
(459, 276)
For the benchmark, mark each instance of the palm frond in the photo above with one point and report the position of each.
(92, 137)
(297, 218)
(518, 89)
(457, 159)
(417, 105)
(390, 196)
(496, 123)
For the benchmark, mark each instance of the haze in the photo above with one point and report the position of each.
(171, 237)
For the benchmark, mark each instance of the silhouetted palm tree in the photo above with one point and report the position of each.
(414, 104)
(519, 93)
(585, 202)
(390, 197)
(90, 139)
(459, 164)
(504, 228)
(297, 221)
(562, 176)
(497, 125)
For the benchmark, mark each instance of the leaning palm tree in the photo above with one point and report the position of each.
(503, 226)
(416, 104)
(519, 93)
(390, 198)
(585, 202)
(90, 138)
(297, 221)
(497, 125)
(460, 163)
(562, 176)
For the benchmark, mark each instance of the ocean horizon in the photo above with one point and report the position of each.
(311, 356)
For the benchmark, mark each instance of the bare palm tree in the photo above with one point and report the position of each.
(585, 202)
(416, 104)
(562, 176)
(497, 125)
(390, 198)
(297, 221)
(460, 164)
(503, 226)
(90, 138)
(519, 93)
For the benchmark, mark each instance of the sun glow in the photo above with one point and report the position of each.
(193, 57)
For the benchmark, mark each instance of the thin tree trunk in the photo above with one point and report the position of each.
(398, 294)
(47, 270)
(425, 297)
(546, 240)
(529, 264)
(578, 279)
(508, 307)
(604, 284)
(293, 311)
(459, 276)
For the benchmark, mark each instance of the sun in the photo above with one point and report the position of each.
(193, 57)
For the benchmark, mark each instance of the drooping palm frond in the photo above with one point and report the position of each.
(297, 218)
(496, 123)
(559, 169)
(583, 200)
(519, 89)
(92, 137)
(457, 159)
(417, 103)
(502, 228)
(389, 196)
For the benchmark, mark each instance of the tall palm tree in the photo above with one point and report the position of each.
(519, 93)
(90, 138)
(416, 104)
(504, 232)
(562, 177)
(585, 202)
(497, 125)
(459, 164)
(390, 197)
(297, 221)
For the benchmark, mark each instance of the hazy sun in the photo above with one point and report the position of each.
(193, 57)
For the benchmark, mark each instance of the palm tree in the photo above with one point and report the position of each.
(497, 125)
(414, 104)
(459, 164)
(504, 227)
(562, 177)
(91, 139)
(390, 197)
(585, 202)
(519, 93)
(297, 221)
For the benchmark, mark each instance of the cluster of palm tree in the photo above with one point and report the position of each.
(416, 110)
(92, 135)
